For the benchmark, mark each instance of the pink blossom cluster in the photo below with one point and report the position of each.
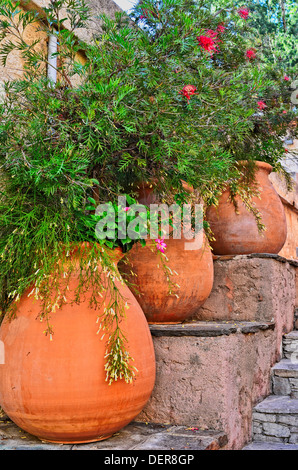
(244, 12)
(209, 41)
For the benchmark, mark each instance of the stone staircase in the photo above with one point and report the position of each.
(275, 419)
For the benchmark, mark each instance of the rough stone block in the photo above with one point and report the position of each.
(257, 428)
(252, 288)
(277, 430)
(211, 374)
(264, 438)
(293, 438)
(281, 386)
(263, 417)
(291, 420)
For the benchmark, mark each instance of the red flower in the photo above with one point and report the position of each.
(286, 78)
(211, 33)
(262, 105)
(188, 91)
(220, 28)
(243, 12)
(251, 54)
(209, 41)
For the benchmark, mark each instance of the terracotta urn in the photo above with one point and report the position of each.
(57, 389)
(236, 232)
(192, 271)
(147, 191)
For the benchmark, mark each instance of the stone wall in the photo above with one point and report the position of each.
(212, 370)
(209, 377)
(97, 8)
(14, 66)
(252, 288)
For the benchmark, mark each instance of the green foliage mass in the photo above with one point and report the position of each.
(120, 114)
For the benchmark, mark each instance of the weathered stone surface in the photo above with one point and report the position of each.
(281, 386)
(272, 439)
(256, 416)
(222, 362)
(291, 336)
(97, 8)
(275, 404)
(290, 346)
(291, 420)
(252, 288)
(293, 438)
(15, 63)
(212, 372)
(296, 310)
(269, 446)
(257, 428)
(209, 329)
(286, 368)
(277, 430)
(294, 387)
(135, 436)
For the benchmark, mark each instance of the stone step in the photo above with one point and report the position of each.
(285, 378)
(269, 446)
(135, 436)
(275, 420)
(290, 345)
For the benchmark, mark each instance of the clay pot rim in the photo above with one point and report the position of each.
(154, 181)
(260, 165)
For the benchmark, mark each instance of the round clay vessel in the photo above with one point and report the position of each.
(147, 191)
(151, 288)
(56, 389)
(237, 232)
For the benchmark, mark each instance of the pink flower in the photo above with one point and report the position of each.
(251, 54)
(262, 105)
(286, 78)
(126, 209)
(188, 91)
(160, 244)
(243, 12)
(209, 41)
(284, 112)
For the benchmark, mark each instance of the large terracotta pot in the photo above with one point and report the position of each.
(56, 390)
(237, 232)
(147, 191)
(150, 285)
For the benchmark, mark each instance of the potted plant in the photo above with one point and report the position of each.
(171, 284)
(249, 217)
(254, 223)
(79, 359)
(165, 94)
(78, 352)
